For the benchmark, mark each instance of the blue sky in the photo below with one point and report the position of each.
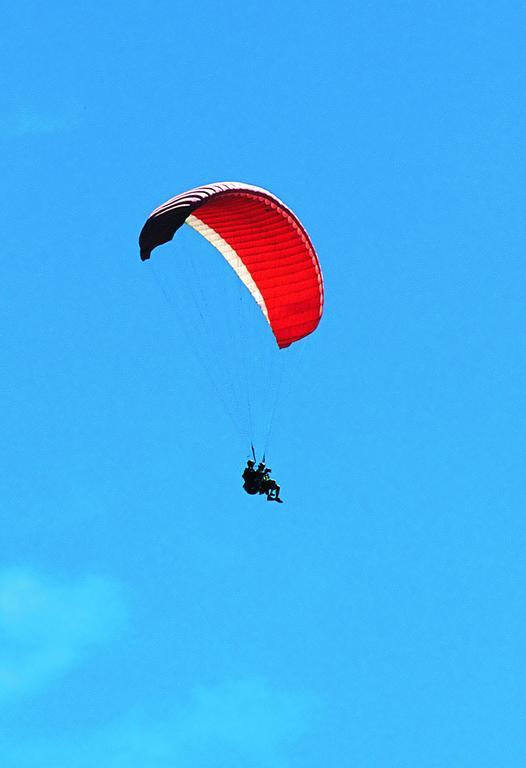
(150, 612)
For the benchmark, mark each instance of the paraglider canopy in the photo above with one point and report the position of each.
(262, 240)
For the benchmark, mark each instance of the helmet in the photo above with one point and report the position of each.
(250, 463)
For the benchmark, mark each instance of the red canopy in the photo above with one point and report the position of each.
(262, 240)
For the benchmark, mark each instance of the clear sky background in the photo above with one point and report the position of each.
(152, 614)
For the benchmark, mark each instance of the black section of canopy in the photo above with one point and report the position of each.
(161, 227)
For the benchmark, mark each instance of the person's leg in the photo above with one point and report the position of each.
(273, 491)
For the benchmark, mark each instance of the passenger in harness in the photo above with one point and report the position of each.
(268, 485)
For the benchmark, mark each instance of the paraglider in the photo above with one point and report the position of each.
(268, 486)
(259, 481)
(262, 240)
(270, 251)
(251, 481)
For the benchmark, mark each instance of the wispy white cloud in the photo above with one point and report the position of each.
(243, 722)
(249, 714)
(47, 626)
(31, 122)
(240, 724)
